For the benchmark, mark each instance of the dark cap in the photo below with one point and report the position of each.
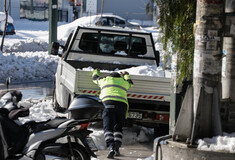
(114, 74)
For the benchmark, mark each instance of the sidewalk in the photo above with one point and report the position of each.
(130, 152)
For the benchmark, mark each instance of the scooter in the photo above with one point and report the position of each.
(56, 139)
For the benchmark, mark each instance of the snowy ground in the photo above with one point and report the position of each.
(25, 58)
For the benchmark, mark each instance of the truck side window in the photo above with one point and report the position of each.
(89, 42)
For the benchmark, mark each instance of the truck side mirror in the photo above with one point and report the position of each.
(55, 48)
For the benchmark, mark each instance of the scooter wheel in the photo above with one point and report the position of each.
(79, 152)
(75, 152)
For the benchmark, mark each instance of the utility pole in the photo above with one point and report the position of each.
(6, 19)
(31, 6)
(53, 18)
(81, 12)
(207, 69)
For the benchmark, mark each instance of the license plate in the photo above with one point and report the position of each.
(134, 115)
(91, 144)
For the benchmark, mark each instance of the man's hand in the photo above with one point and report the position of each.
(124, 73)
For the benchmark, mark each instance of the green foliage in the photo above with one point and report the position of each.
(176, 20)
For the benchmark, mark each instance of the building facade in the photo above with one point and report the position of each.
(14, 8)
(68, 10)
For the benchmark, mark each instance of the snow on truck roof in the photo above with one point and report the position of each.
(3, 17)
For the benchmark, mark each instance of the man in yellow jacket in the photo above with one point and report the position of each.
(114, 95)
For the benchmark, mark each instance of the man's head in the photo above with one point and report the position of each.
(114, 74)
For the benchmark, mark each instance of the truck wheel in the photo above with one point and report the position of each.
(56, 106)
(161, 130)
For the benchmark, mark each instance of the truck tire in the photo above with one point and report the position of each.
(56, 106)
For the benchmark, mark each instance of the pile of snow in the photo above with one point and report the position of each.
(40, 110)
(28, 45)
(65, 30)
(25, 66)
(146, 70)
(3, 18)
(225, 143)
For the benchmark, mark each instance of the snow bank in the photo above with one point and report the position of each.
(40, 110)
(3, 18)
(225, 143)
(28, 45)
(27, 66)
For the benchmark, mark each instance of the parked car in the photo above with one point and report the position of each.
(114, 20)
(10, 26)
(95, 20)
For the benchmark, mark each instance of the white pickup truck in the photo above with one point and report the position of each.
(111, 49)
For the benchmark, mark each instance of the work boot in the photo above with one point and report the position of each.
(117, 152)
(111, 154)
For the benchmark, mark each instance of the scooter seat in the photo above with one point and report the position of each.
(49, 124)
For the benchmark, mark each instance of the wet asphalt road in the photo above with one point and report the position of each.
(35, 90)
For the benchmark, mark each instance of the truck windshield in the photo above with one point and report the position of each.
(111, 44)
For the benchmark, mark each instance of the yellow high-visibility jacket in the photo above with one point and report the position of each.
(113, 88)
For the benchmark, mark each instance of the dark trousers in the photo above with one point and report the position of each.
(113, 118)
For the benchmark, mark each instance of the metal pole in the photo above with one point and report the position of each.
(31, 6)
(6, 20)
(81, 13)
(207, 65)
(53, 18)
